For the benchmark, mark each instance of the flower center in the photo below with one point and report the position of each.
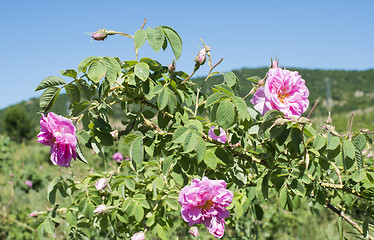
(282, 96)
(207, 205)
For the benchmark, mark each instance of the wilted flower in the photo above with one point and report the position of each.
(284, 91)
(205, 202)
(138, 236)
(28, 183)
(100, 208)
(222, 136)
(59, 133)
(101, 184)
(194, 231)
(118, 157)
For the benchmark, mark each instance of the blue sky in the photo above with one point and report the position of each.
(39, 38)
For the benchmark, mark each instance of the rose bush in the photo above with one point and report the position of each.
(277, 158)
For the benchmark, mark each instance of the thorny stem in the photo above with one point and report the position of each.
(314, 106)
(348, 220)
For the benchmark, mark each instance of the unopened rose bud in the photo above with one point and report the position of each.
(274, 64)
(201, 58)
(101, 184)
(100, 208)
(194, 231)
(99, 36)
(114, 133)
(171, 67)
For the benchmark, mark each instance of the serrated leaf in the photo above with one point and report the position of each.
(50, 82)
(200, 149)
(48, 98)
(96, 71)
(333, 142)
(172, 103)
(360, 141)
(225, 115)
(139, 212)
(230, 78)
(113, 69)
(211, 159)
(241, 107)
(190, 142)
(166, 164)
(180, 134)
(348, 149)
(161, 232)
(155, 38)
(84, 64)
(214, 98)
(174, 39)
(319, 142)
(69, 73)
(139, 38)
(141, 70)
(137, 151)
(73, 93)
(163, 99)
(153, 65)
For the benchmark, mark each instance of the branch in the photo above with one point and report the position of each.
(18, 222)
(348, 220)
(314, 106)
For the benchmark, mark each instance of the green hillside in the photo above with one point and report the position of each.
(351, 91)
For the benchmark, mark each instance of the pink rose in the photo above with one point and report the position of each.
(59, 133)
(194, 231)
(138, 236)
(284, 91)
(205, 202)
(118, 157)
(28, 183)
(222, 135)
(101, 184)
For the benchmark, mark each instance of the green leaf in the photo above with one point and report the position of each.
(139, 212)
(225, 114)
(172, 203)
(155, 38)
(161, 232)
(214, 98)
(88, 210)
(166, 163)
(50, 82)
(319, 142)
(225, 88)
(210, 159)
(333, 142)
(113, 69)
(48, 98)
(130, 184)
(180, 134)
(153, 65)
(190, 142)
(71, 219)
(348, 149)
(172, 103)
(139, 38)
(241, 106)
(360, 141)
(47, 225)
(69, 73)
(80, 154)
(137, 151)
(297, 139)
(142, 71)
(200, 149)
(230, 78)
(359, 159)
(84, 64)
(163, 99)
(238, 209)
(52, 187)
(174, 39)
(73, 93)
(96, 71)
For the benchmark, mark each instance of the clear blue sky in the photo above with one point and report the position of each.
(39, 38)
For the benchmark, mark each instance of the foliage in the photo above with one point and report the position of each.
(269, 159)
(17, 124)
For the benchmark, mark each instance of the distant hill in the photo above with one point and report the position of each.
(350, 91)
